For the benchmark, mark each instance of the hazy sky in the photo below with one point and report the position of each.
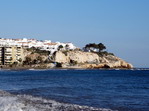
(122, 25)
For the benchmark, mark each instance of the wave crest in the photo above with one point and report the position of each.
(10, 102)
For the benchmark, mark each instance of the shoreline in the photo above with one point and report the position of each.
(68, 68)
(24, 102)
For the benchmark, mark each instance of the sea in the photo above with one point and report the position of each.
(74, 90)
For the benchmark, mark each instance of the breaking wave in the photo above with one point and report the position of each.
(10, 102)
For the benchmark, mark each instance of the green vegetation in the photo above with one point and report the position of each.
(27, 61)
(58, 64)
(65, 52)
(104, 53)
(37, 60)
(36, 50)
(41, 56)
(92, 46)
(60, 47)
(72, 62)
(20, 60)
(101, 47)
(67, 47)
(97, 48)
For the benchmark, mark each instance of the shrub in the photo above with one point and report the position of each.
(65, 52)
(73, 62)
(58, 64)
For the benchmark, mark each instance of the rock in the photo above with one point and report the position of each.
(77, 56)
(61, 57)
(83, 57)
(50, 65)
(90, 60)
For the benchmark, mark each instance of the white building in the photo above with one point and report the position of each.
(43, 45)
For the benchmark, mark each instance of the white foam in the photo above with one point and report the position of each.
(9, 102)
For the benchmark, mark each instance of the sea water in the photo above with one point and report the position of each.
(74, 90)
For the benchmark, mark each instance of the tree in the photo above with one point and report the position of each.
(60, 47)
(39, 59)
(20, 60)
(58, 64)
(95, 47)
(27, 60)
(101, 47)
(67, 47)
(15, 63)
(35, 61)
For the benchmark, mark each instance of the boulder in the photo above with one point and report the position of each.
(61, 57)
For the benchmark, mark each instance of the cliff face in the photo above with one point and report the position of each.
(35, 56)
(90, 60)
(76, 56)
(77, 59)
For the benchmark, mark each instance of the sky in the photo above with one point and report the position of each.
(122, 25)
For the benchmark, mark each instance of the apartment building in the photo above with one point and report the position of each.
(43, 45)
(11, 54)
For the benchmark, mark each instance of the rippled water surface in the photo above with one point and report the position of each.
(123, 90)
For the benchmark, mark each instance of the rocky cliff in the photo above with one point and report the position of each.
(90, 60)
(76, 56)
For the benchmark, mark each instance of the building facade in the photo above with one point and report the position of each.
(42, 45)
(11, 54)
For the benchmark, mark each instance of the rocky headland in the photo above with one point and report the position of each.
(89, 60)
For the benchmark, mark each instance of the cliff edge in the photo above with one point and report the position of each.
(90, 60)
